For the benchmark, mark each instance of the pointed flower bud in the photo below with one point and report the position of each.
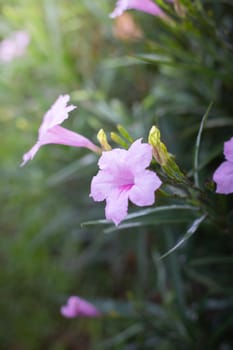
(160, 152)
(102, 138)
(119, 140)
(163, 157)
(124, 133)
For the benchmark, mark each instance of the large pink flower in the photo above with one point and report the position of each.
(77, 307)
(122, 177)
(147, 6)
(51, 132)
(223, 175)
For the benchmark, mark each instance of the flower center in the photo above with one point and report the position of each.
(125, 180)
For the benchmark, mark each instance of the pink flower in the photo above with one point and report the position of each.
(14, 46)
(147, 6)
(77, 307)
(223, 175)
(122, 177)
(51, 132)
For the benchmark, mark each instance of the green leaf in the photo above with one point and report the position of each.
(121, 337)
(155, 58)
(155, 219)
(164, 208)
(123, 61)
(197, 146)
(192, 229)
(129, 308)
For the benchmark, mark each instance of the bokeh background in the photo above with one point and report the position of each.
(136, 71)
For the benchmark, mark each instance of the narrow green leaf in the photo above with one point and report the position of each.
(208, 158)
(155, 220)
(95, 222)
(120, 338)
(122, 61)
(164, 208)
(155, 58)
(147, 212)
(192, 229)
(129, 308)
(197, 146)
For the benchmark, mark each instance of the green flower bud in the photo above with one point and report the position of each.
(102, 138)
(160, 152)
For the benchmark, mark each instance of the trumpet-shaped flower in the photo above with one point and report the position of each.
(147, 6)
(77, 307)
(123, 176)
(50, 130)
(223, 175)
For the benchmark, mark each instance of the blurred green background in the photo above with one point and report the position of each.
(136, 71)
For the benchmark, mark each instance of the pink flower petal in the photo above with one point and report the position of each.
(142, 193)
(77, 307)
(111, 159)
(223, 177)
(30, 154)
(228, 150)
(56, 114)
(116, 206)
(139, 155)
(147, 6)
(102, 184)
(62, 136)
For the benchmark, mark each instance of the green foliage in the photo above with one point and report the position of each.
(163, 277)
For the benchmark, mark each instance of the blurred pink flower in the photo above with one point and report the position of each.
(122, 177)
(14, 46)
(223, 175)
(147, 6)
(77, 307)
(51, 132)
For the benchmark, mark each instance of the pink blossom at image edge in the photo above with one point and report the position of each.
(223, 175)
(78, 307)
(50, 132)
(14, 46)
(147, 6)
(122, 177)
